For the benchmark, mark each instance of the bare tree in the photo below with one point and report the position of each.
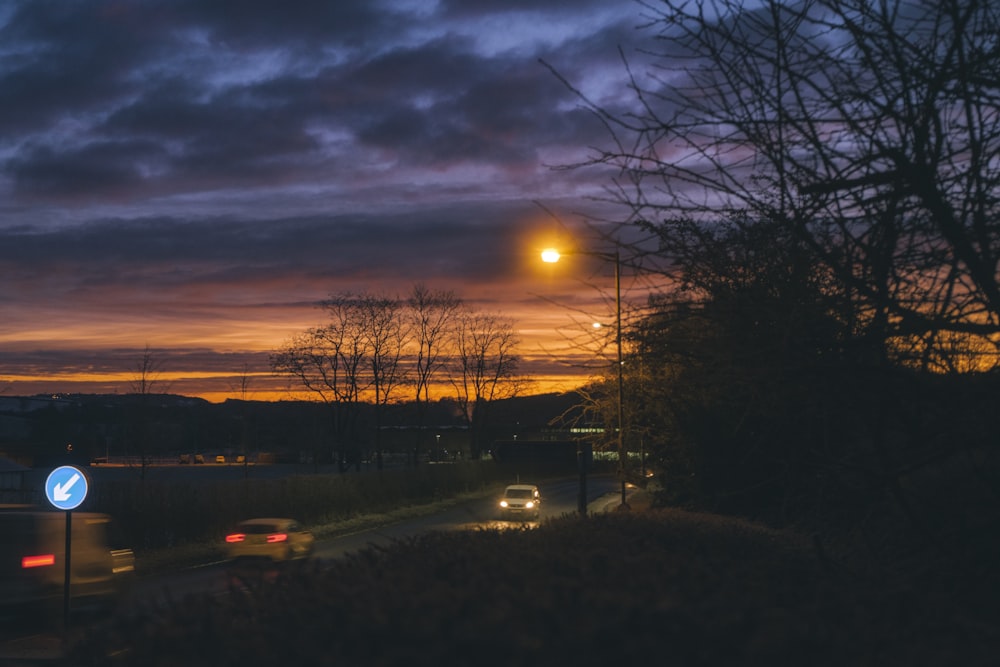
(241, 387)
(867, 133)
(433, 318)
(326, 361)
(868, 127)
(486, 369)
(375, 344)
(358, 354)
(242, 390)
(146, 380)
(385, 333)
(147, 375)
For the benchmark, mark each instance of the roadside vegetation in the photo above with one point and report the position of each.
(813, 191)
(642, 587)
(175, 523)
(209, 549)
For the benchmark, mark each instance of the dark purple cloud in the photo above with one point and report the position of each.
(191, 163)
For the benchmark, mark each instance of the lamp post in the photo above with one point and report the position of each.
(550, 255)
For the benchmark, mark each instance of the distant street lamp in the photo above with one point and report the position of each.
(551, 256)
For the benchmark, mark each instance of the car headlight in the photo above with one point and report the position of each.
(503, 503)
(529, 505)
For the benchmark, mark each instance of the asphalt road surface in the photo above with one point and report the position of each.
(28, 644)
(558, 497)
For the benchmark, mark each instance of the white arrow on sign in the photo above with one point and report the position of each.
(60, 492)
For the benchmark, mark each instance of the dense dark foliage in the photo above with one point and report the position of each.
(98, 426)
(661, 587)
(813, 185)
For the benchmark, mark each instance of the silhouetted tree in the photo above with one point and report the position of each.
(868, 129)
(146, 380)
(732, 375)
(385, 332)
(863, 135)
(358, 355)
(242, 390)
(375, 344)
(326, 361)
(485, 369)
(434, 317)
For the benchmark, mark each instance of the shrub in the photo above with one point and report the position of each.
(660, 587)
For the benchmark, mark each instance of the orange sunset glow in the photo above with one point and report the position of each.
(223, 352)
(208, 186)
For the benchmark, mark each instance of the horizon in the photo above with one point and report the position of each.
(197, 181)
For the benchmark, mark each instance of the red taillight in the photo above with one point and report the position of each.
(235, 537)
(38, 561)
(276, 537)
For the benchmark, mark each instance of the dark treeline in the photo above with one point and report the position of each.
(285, 431)
(815, 186)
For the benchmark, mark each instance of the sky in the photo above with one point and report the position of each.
(195, 177)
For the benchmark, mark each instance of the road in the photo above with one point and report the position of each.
(28, 645)
(558, 497)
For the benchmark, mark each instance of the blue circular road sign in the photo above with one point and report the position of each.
(66, 487)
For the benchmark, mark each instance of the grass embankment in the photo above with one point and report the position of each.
(156, 561)
(642, 587)
(176, 523)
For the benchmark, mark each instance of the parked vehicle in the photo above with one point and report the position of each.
(33, 562)
(522, 501)
(274, 539)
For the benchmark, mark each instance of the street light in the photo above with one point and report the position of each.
(551, 256)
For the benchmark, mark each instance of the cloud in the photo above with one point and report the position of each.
(201, 174)
(175, 97)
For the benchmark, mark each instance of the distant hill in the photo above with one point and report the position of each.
(39, 429)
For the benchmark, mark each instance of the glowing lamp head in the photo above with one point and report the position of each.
(550, 255)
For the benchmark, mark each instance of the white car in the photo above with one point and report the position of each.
(272, 539)
(522, 501)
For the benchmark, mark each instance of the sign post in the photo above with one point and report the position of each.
(66, 488)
